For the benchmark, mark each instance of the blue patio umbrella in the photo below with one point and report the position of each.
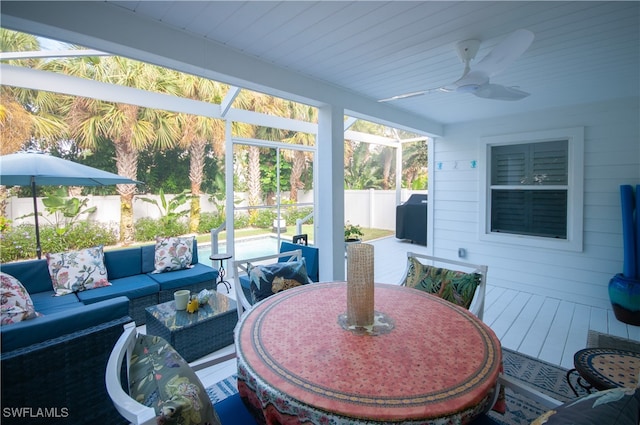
(40, 169)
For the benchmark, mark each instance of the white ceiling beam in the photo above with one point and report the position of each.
(44, 54)
(65, 84)
(226, 103)
(370, 138)
(34, 79)
(349, 122)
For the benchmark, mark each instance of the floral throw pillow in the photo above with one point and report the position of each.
(267, 280)
(160, 378)
(77, 271)
(451, 285)
(173, 254)
(15, 302)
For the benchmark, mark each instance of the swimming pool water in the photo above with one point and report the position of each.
(244, 248)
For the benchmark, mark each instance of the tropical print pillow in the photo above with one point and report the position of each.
(451, 285)
(77, 271)
(618, 406)
(173, 253)
(160, 378)
(15, 302)
(266, 280)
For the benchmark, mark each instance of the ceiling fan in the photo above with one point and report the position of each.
(477, 81)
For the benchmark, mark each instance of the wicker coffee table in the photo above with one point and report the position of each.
(195, 335)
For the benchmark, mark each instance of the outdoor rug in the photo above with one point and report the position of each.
(545, 377)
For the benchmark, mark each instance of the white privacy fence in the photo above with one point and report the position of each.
(368, 208)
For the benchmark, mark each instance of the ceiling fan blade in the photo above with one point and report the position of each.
(507, 51)
(404, 96)
(499, 92)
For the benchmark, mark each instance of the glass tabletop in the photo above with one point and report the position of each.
(173, 319)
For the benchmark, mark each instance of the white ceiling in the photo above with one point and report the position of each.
(358, 52)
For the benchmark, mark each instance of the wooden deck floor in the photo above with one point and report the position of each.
(542, 327)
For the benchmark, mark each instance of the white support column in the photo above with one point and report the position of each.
(229, 205)
(329, 190)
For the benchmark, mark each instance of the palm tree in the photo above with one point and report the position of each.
(25, 114)
(414, 162)
(196, 132)
(300, 159)
(130, 128)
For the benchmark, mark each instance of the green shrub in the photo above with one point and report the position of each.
(147, 229)
(241, 221)
(264, 218)
(19, 243)
(209, 221)
(291, 214)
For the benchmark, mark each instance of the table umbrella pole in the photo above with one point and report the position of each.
(35, 210)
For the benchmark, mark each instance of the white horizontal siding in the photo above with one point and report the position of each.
(612, 158)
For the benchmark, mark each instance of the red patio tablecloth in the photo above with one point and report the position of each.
(296, 364)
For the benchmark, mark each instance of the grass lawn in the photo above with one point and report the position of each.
(369, 234)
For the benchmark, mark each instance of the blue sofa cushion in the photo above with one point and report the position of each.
(310, 255)
(33, 274)
(23, 334)
(46, 303)
(131, 287)
(178, 278)
(123, 262)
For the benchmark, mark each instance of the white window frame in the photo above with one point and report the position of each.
(575, 193)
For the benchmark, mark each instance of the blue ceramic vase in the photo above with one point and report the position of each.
(624, 293)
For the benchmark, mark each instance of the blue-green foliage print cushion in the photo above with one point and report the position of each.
(451, 285)
(160, 378)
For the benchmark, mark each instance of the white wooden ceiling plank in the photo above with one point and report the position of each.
(214, 15)
(322, 18)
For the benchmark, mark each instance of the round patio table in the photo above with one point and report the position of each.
(435, 363)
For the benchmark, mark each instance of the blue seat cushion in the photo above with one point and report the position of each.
(178, 278)
(131, 287)
(123, 263)
(47, 303)
(310, 255)
(232, 411)
(75, 318)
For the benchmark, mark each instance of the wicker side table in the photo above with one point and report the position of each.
(195, 335)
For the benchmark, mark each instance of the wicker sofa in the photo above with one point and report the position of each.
(53, 365)
(129, 271)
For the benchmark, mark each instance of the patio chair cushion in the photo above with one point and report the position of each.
(266, 280)
(16, 304)
(454, 286)
(160, 378)
(173, 253)
(618, 406)
(76, 271)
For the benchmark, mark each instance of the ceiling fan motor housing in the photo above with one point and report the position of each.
(467, 50)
